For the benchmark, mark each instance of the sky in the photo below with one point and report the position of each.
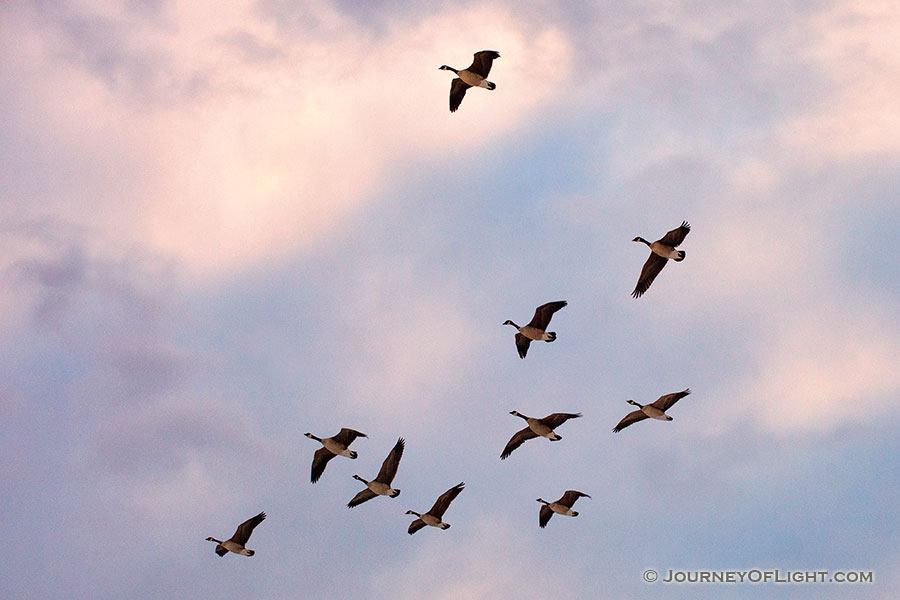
(223, 225)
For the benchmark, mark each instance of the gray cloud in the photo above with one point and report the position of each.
(71, 274)
(160, 436)
(254, 49)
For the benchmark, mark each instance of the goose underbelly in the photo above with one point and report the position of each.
(654, 413)
(542, 430)
(382, 489)
(538, 335)
(236, 548)
(335, 448)
(431, 520)
(563, 510)
(473, 79)
(665, 251)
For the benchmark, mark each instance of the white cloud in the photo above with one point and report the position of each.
(828, 366)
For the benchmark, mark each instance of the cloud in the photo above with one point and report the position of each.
(853, 45)
(102, 314)
(58, 278)
(825, 368)
(414, 338)
(803, 352)
(62, 273)
(227, 152)
(768, 186)
(499, 562)
(163, 436)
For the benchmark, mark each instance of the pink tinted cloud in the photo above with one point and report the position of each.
(209, 134)
(854, 44)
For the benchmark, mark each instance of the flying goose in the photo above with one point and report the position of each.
(434, 517)
(381, 485)
(563, 506)
(474, 76)
(331, 447)
(240, 537)
(543, 427)
(655, 410)
(660, 252)
(537, 328)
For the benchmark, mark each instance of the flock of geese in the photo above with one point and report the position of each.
(661, 251)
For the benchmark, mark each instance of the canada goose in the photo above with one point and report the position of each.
(240, 537)
(655, 410)
(563, 506)
(381, 485)
(543, 427)
(660, 252)
(537, 328)
(474, 76)
(331, 447)
(434, 516)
